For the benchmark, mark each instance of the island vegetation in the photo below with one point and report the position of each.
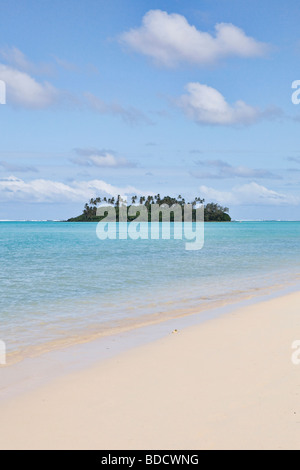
(213, 212)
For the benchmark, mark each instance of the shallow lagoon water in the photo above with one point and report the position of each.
(58, 280)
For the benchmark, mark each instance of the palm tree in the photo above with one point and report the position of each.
(198, 199)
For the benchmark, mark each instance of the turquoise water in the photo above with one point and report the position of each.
(58, 280)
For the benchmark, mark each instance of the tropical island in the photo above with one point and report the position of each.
(213, 212)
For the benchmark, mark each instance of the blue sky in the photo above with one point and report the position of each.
(171, 97)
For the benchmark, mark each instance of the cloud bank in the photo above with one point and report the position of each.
(41, 190)
(249, 194)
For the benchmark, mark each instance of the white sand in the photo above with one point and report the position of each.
(226, 384)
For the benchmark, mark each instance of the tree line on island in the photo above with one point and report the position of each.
(213, 212)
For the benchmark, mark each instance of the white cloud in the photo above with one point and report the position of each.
(88, 69)
(249, 194)
(107, 160)
(293, 159)
(130, 115)
(23, 90)
(66, 65)
(225, 170)
(41, 190)
(98, 158)
(206, 105)
(17, 58)
(169, 39)
(9, 167)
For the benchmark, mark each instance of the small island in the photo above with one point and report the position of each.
(213, 212)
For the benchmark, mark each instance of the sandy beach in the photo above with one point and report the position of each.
(228, 383)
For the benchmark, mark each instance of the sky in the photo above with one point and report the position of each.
(190, 97)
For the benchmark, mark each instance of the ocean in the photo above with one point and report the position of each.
(60, 284)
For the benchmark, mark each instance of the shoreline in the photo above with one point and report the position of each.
(236, 361)
(198, 308)
(46, 364)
